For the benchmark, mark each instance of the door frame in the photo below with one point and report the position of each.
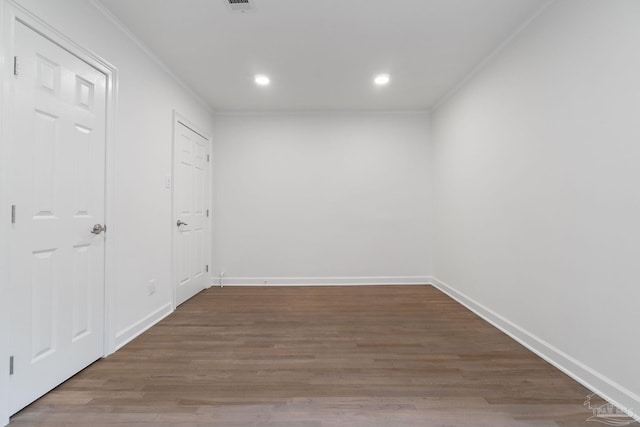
(177, 119)
(10, 14)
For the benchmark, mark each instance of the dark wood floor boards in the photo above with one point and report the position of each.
(317, 356)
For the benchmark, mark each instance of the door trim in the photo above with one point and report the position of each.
(179, 118)
(10, 14)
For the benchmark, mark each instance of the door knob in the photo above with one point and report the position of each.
(179, 223)
(98, 228)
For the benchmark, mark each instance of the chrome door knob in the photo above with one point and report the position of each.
(98, 228)
(179, 223)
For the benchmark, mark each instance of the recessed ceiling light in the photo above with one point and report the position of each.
(262, 80)
(382, 79)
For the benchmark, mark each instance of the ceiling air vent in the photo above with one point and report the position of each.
(240, 5)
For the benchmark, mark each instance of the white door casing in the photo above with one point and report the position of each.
(57, 274)
(191, 153)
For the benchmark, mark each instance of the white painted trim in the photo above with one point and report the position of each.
(206, 133)
(111, 278)
(324, 281)
(240, 113)
(12, 12)
(138, 328)
(6, 53)
(147, 51)
(613, 392)
(495, 52)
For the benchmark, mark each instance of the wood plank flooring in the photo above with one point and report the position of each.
(317, 356)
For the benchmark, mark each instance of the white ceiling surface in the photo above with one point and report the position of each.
(322, 54)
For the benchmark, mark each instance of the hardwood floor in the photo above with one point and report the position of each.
(317, 356)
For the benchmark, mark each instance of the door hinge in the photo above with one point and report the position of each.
(207, 213)
(208, 158)
(16, 66)
(13, 214)
(10, 365)
(206, 268)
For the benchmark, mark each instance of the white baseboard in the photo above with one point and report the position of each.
(324, 281)
(131, 332)
(608, 389)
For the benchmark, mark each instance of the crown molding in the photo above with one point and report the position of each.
(150, 53)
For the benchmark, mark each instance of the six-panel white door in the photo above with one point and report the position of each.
(191, 196)
(58, 189)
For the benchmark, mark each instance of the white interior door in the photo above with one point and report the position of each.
(58, 190)
(191, 201)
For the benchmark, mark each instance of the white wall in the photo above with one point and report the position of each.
(147, 96)
(537, 172)
(322, 198)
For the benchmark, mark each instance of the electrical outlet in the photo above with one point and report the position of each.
(152, 287)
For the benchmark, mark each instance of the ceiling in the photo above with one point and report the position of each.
(322, 54)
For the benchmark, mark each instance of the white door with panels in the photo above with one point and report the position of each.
(191, 211)
(58, 210)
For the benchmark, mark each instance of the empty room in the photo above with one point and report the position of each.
(319, 213)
